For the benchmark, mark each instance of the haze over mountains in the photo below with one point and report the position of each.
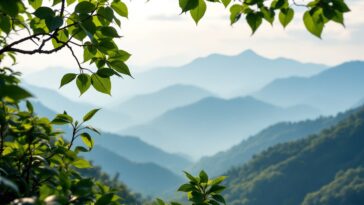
(214, 123)
(330, 91)
(145, 107)
(166, 114)
(220, 74)
(106, 119)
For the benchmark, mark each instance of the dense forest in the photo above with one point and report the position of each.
(304, 170)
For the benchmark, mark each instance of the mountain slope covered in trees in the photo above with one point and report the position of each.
(275, 134)
(346, 189)
(285, 174)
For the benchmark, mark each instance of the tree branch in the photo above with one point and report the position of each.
(75, 57)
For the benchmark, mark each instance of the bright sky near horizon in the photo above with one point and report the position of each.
(157, 35)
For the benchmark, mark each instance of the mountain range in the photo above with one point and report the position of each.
(105, 119)
(335, 89)
(143, 108)
(213, 124)
(305, 171)
(245, 73)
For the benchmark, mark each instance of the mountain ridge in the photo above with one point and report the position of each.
(196, 122)
(340, 84)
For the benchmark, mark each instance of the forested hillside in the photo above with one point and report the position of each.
(347, 189)
(285, 174)
(275, 134)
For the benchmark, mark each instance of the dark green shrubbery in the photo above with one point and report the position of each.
(36, 163)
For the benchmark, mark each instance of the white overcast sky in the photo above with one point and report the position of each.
(157, 35)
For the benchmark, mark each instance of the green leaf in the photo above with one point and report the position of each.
(81, 164)
(235, 13)
(90, 114)
(101, 84)
(341, 6)
(109, 31)
(226, 2)
(186, 188)
(5, 24)
(85, 7)
(120, 8)
(83, 82)
(218, 180)
(219, 198)
(106, 47)
(314, 23)
(119, 55)
(93, 129)
(277, 4)
(67, 78)
(198, 12)
(81, 149)
(254, 20)
(44, 13)
(160, 202)
(62, 38)
(54, 22)
(338, 18)
(69, 2)
(14, 92)
(268, 14)
(120, 67)
(106, 72)
(62, 119)
(86, 138)
(204, 177)
(187, 5)
(216, 189)
(105, 199)
(286, 16)
(190, 177)
(29, 106)
(35, 3)
(10, 7)
(105, 15)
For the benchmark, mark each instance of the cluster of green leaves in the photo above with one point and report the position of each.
(37, 166)
(201, 190)
(90, 25)
(317, 14)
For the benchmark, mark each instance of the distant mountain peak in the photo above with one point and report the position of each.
(249, 53)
